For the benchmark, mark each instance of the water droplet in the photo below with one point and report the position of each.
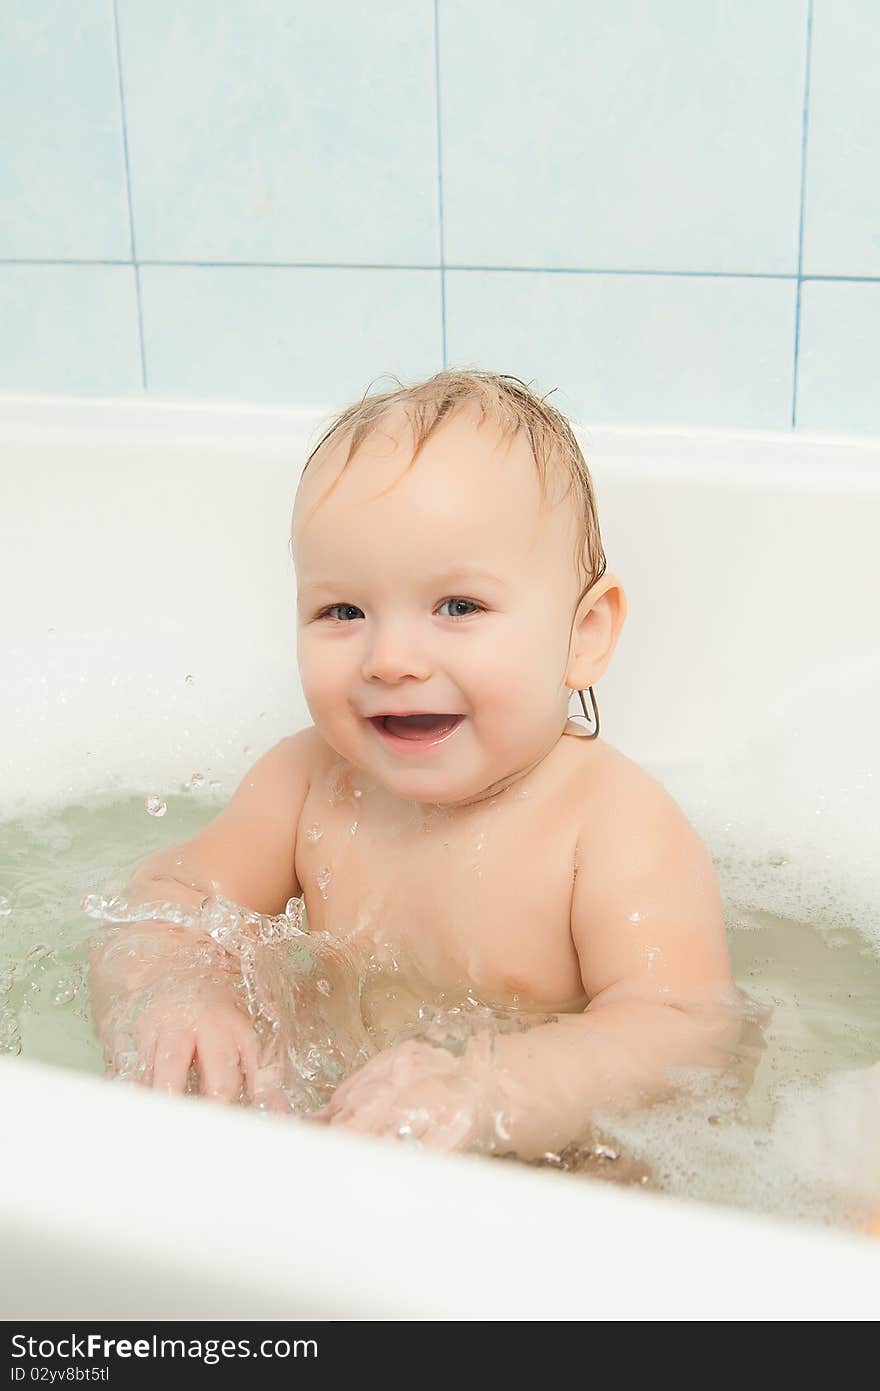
(188, 680)
(324, 875)
(634, 917)
(197, 779)
(5, 907)
(324, 986)
(314, 833)
(353, 828)
(294, 910)
(605, 1152)
(338, 786)
(155, 806)
(65, 991)
(358, 792)
(248, 748)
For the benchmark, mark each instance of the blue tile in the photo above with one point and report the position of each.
(287, 335)
(842, 198)
(839, 359)
(633, 349)
(278, 132)
(62, 171)
(69, 329)
(634, 136)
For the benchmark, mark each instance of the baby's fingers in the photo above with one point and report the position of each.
(220, 1067)
(171, 1063)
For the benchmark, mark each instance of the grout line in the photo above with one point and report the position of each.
(440, 181)
(134, 259)
(388, 265)
(800, 267)
(493, 270)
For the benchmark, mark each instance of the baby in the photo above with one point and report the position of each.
(452, 596)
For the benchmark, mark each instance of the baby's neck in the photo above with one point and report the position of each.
(503, 785)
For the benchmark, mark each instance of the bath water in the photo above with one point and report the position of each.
(804, 1142)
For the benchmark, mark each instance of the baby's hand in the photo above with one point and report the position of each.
(415, 1090)
(201, 1026)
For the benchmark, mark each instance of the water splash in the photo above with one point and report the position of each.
(316, 1004)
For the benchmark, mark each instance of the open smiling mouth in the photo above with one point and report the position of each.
(415, 731)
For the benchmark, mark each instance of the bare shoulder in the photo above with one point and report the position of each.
(247, 851)
(301, 752)
(625, 811)
(280, 778)
(646, 907)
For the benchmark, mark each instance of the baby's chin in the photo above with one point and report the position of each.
(437, 776)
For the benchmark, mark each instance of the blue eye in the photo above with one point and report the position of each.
(470, 603)
(325, 613)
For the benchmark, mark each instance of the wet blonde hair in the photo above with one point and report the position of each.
(513, 407)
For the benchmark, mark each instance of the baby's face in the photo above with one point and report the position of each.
(452, 594)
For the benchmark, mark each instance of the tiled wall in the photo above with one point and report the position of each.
(668, 210)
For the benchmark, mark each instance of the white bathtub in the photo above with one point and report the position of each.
(140, 544)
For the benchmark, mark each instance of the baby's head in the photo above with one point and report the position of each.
(449, 561)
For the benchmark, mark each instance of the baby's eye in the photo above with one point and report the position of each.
(457, 602)
(328, 613)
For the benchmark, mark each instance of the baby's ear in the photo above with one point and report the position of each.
(597, 624)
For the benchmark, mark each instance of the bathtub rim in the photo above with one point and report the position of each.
(804, 454)
(644, 1255)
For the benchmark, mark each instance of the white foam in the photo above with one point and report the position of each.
(793, 816)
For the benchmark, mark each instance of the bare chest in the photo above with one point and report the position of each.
(471, 902)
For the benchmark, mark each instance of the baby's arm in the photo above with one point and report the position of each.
(648, 927)
(173, 985)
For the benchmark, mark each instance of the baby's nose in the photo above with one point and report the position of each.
(393, 655)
